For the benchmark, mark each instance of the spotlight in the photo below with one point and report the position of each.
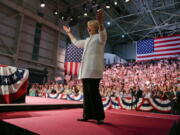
(55, 12)
(108, 5)
(42, 3)
(85, 14)
(115, 3)
(123, 36)
(62, 17)
(108, 23)
(127, 0)
(71, 19)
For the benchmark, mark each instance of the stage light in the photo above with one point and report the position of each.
(85, 14)
(62, 17)
(55, 12)
(71, 19)
(42, 3)
(115, 3)
(123, 36)
(127, 0)
(108, 5)
(108, 23)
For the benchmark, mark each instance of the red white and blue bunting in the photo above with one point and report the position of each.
(106, 103)
(75, 97)
(13, 83)
(56, 96)
(160, 105)
(127, 103)
(145, 106)
(115, 102)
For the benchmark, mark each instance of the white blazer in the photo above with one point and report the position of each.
(92, 64)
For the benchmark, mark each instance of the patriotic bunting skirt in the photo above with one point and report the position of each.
(141, 104)
(13, 83)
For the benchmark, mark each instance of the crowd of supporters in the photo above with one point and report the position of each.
(148, 79)
(55, 87)
(152, 79)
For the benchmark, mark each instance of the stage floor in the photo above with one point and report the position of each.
(63, 122)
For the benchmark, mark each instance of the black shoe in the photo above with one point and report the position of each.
(100, 121)
(82, 119)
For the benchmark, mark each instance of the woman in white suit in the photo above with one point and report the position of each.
(92, 67)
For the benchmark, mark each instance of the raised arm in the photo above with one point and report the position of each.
(78, 43)
(102, 30)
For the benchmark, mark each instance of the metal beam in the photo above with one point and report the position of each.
(171, 14)
(142, 12)
(155, 22)
(161, 26)
(119, 26)
(137, 23)
(7, 55)
(168, 19)
(135, 5)
(147, 34)
(153, 18)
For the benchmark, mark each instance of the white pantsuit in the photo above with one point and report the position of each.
(91, 71)
(92, 64)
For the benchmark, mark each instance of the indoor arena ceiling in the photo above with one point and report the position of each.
(129, 20)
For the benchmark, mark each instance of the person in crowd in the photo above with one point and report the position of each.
(32, 91)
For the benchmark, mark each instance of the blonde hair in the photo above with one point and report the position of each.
(94, 23)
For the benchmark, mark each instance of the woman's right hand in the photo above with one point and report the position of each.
(67, 29)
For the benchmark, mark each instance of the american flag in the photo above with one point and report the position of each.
(72, 60)
(158, 48)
